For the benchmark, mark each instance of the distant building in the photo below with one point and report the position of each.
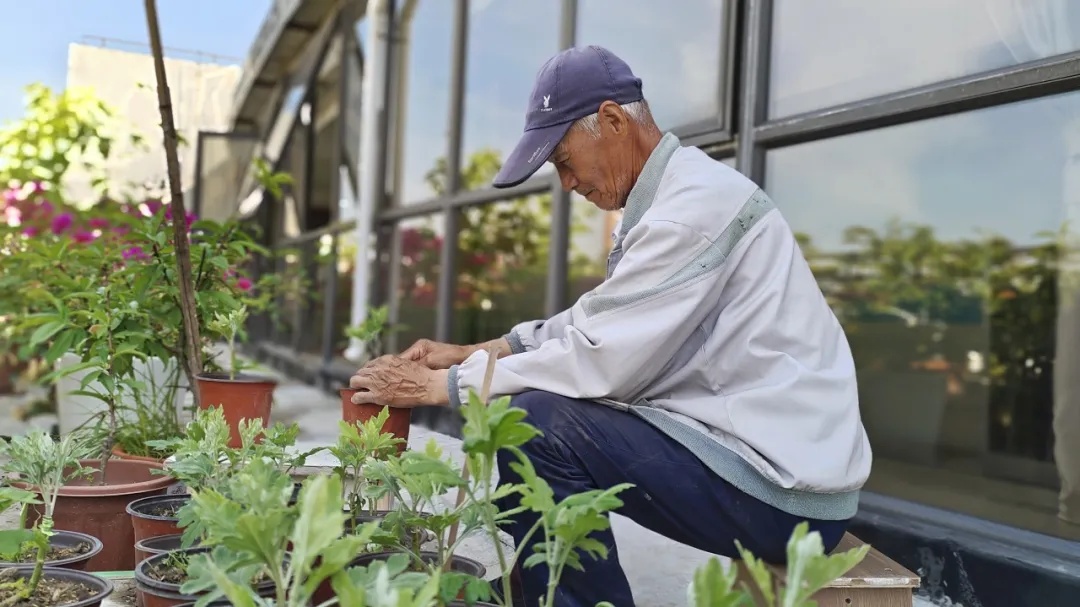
(202, 93)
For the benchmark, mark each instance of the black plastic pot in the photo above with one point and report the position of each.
(102, 586)
(153, 546)
(147, 523)
(155, 592)
(458, 563)
(68, 539)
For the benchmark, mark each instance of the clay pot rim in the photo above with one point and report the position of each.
(96, 546)
(153, 484)
(103, 586)
(241, 378)
(133, 506)
(119, 452)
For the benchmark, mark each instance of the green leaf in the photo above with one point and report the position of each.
(12, 540)
(712, 586)
(46, 331)
(321, 519)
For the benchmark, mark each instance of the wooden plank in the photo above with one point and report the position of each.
(877, 581)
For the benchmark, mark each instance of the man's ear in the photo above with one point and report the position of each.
(613, 120)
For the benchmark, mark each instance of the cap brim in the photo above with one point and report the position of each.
(531, 152)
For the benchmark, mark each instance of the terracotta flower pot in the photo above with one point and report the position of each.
(397, 424)
(119, 453)
(102, 587)
(89, 545)
(156, 515)
(243, 397)
(98, 509)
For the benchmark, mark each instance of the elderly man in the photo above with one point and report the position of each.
(707, 369)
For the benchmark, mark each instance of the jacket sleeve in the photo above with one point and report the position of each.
(528, 336)
(621, 335)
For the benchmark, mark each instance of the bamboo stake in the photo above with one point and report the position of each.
(186, 284)
(485, 389)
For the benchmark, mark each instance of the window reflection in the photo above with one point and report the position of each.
(502, 261)
(590, 242)
(674, 47)
(834, 51)
(508, 42)
(941, 252)
(420, 241)
(423, 112)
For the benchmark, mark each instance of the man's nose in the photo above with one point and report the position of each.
(567, 179)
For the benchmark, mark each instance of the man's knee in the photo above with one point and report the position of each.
(546, 411)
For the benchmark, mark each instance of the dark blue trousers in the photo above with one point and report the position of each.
(586, 446)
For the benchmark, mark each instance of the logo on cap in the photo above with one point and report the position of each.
(547, 102)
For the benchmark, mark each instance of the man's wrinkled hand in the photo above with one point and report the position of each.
(436, 355)
(395, 381)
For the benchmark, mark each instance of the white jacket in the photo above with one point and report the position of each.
(711, 327)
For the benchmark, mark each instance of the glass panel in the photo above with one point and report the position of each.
(939, 250)
(590, 243)
(674, 47)
(835, 51)
(424, 111)
(508, 42)
(502, 267)
(420, 243)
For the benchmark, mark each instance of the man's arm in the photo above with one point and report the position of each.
(628, 328)
(529, 335)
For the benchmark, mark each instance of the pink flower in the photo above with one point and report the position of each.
(10, 195)
(98, 223)
(133, 253)
(38, 187)
(46, 208)
(30, 232)
(83, 236)
(121, 230)
(243, 284)
(61, 222)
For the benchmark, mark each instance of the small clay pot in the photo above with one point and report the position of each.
(102, 586)
(242, 397)
(155, 593)
(396, 424)
(148, 523)
(86, 505)
(68, 539)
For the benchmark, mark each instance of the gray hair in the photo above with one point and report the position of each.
(637, 111)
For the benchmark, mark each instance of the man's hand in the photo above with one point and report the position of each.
(397, 382)
(435, 355)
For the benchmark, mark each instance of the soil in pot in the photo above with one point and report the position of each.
(242, 397)
(156, 515)
(67, 549)
(158, 579)
(60, 587)
(99, 509)
(396, 424)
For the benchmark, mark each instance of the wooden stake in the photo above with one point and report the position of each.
(485, 389)
(186, 283)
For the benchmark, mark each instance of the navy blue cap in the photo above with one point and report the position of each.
(569, 87)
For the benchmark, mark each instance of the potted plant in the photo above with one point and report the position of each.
(369, 334)
(67, 549)
(254, 528)
(44, 466)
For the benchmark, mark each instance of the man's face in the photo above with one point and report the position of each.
(598, 168)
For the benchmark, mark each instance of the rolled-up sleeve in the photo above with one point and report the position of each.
(616, 339)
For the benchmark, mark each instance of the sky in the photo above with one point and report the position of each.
(37, 34)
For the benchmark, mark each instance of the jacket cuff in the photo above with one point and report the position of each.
(452, 387)
(516, 346)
